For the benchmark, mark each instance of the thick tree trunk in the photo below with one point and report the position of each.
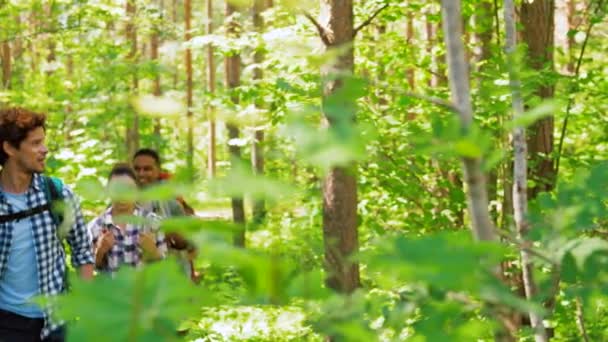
(520, 200)
(132, 139)
(188, 63)
(537, 21)
(339, 186)
(232, 65)
(257, 148)
(211, 153)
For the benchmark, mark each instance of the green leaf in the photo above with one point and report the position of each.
(547, 108)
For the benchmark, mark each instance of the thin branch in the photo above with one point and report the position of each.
(526, 246)
(434, 100)
(369, 20)
(322, 30)
(572, 90)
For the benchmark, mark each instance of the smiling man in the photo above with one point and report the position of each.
(147, 165)
(32, 258)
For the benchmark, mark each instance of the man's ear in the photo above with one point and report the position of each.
(9, 149)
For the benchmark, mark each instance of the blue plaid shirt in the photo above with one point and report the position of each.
(50, 256)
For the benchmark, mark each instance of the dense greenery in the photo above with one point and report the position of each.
(423, 277)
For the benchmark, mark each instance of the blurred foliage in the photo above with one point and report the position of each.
(423, 278)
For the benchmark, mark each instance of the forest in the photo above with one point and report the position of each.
(380, 170)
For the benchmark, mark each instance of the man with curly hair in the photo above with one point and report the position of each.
(32, 257)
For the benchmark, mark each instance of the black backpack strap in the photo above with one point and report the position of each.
(25, 213)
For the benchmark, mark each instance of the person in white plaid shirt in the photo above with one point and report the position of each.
(32, 258)
(116, 243)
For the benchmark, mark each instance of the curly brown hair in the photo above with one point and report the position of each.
(15, 124)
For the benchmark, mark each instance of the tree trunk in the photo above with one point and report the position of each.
(232, 65)
(174, 19)
(157, 90)
(520, 200)
(484, 21)
(188, 62)
(409, 37)
(482, 226)
(572, 23)
(340, 233)
(430, 38)
(132, 138)
(257, 148)
(211, 154)
(6, 65)
(537, 21)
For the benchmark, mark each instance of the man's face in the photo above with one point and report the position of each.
(31, 153)
(148, 172)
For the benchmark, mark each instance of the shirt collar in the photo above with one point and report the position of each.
(106, 218)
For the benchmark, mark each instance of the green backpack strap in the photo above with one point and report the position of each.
(53, 189)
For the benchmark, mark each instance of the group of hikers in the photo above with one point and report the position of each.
(32, 255)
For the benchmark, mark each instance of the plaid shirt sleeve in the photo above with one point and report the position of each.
(78, 236)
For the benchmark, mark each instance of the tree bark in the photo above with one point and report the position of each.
(537, 20)
(132, 139)
(520, 200)
(232, 65)
(6, 65)
(188, 63)
(257, 148)
(211, 154)
(484, 21)
(174, 19)
(482, 226)
(157, 90)
(430, 38)
(409, 37)
(340, 233)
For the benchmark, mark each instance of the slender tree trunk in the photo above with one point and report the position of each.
(157, 89)
(409, 37)
(571, 19)
(537, 21)
(68, 120)
(233, 70)
(520, 200)
(174, 19)
(211, 154)
(484, 21)
(340, 233)
(132, 138)
(257, 149)
(188, 62)
(430, 38)
(482, 226)
(7, 67)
